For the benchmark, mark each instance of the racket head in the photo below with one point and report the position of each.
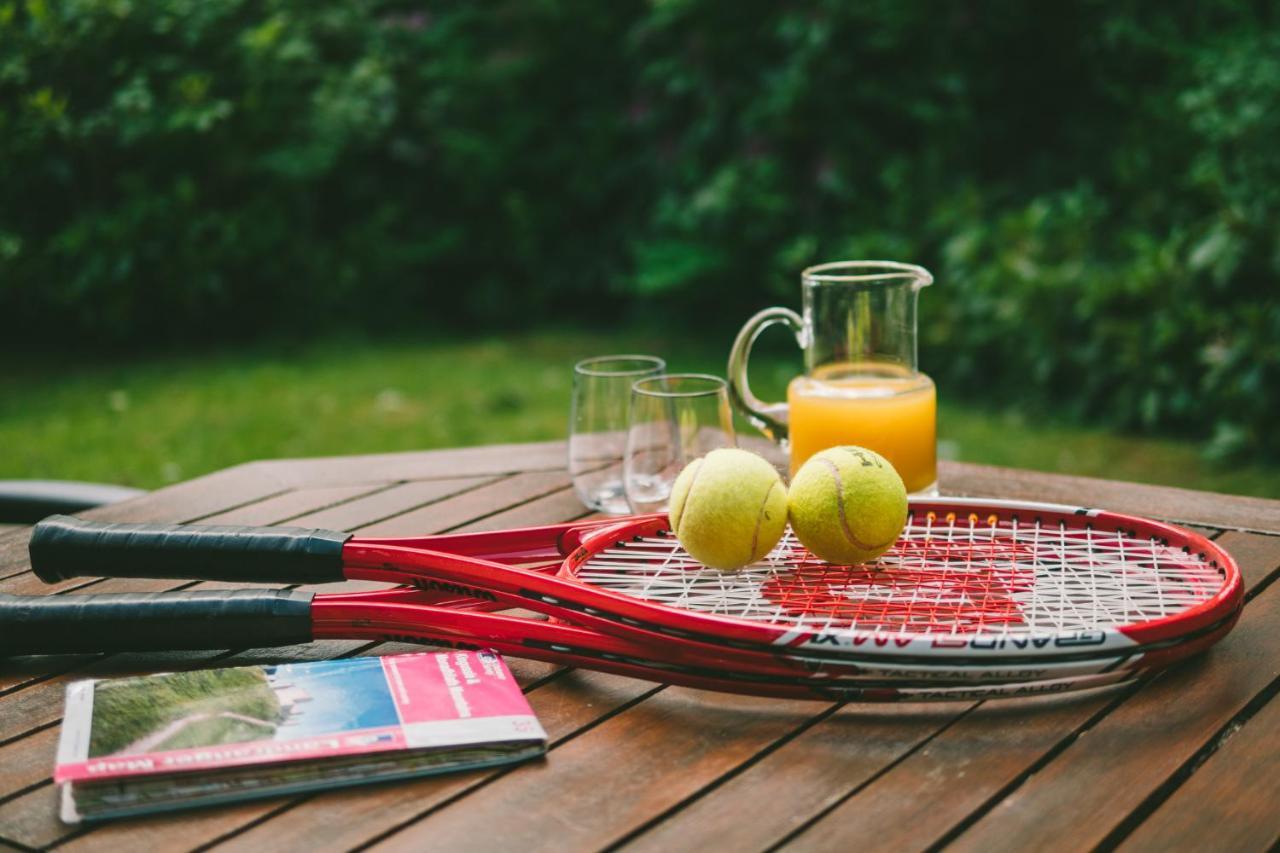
(968, 578)
(403, 614)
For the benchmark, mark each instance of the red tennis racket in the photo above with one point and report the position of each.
(970, 583)
(247, 618)
(219, 619)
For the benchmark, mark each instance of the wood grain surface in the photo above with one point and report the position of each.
(1186, 760)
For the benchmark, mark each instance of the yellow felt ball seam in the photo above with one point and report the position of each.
(755, 534)
(688, 495)
(679, 513)
(844, 518)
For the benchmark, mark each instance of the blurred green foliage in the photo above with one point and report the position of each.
(1095, 184)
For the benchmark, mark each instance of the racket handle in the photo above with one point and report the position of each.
(65, 547)
(153, 621)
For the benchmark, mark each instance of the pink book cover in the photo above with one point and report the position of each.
(214, 719)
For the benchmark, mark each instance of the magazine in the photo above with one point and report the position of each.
(175, 740)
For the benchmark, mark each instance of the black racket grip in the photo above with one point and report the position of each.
(66, 547)
(153, 621)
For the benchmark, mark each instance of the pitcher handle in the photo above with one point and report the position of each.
(769, 418)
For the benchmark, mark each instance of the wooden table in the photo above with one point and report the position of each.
(1187, 761)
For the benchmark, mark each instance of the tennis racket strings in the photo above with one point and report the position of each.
(945, 576)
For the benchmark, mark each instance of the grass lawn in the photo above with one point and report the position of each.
(160, 420)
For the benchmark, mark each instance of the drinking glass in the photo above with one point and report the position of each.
(598, 426)
(675, 418)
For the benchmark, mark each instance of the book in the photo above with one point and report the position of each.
(132, 746)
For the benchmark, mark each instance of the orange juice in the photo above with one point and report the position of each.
(892, 413)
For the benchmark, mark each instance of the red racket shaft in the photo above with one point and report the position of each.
(253, 618)
(250, 618)
(63, 546)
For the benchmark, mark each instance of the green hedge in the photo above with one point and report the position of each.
(1095, 184)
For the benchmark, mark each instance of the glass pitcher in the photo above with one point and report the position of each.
(860, 385)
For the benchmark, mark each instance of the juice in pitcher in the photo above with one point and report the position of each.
(891, 412)
(861, 384)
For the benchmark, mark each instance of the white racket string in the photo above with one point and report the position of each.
(947, 574)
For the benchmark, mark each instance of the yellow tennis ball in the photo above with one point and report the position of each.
(847, 505)
(728, 508)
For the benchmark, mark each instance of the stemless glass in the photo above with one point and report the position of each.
(598, 426)
(675, 418)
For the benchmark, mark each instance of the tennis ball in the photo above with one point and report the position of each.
(847, 505)
(728, 508)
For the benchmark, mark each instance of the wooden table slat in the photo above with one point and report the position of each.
(471, 505)
(13, 551)
(1258, 556)
(802, 779)
(614, 778)
(562, 505)
(1230, 801)
(388, 503)
(918, 800)
(198, 498)
(283, 507)
(489, 460)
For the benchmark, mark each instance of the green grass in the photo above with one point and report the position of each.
(164, 419)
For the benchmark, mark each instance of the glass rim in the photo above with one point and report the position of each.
(886, 270)
(587, 366)
(718, 385)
